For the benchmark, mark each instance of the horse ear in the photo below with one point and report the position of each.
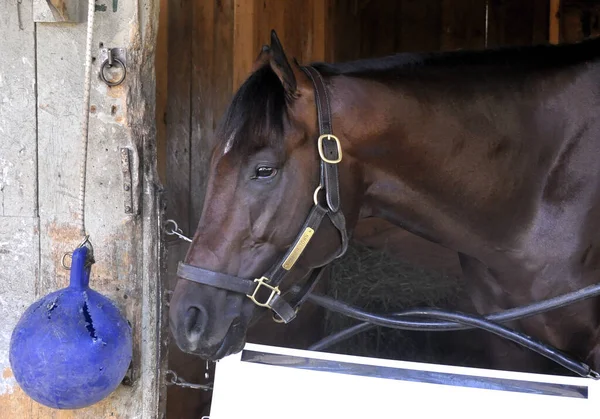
(262, 59)
(292, 77)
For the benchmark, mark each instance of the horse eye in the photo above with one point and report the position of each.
(265, 172)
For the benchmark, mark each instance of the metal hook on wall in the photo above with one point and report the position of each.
(113, 69)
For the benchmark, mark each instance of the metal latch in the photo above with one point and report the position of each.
(127, 182)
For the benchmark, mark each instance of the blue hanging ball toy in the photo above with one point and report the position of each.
(73, 347)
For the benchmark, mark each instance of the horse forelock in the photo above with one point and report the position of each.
(255, 116)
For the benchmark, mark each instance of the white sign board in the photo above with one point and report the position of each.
(265, 382)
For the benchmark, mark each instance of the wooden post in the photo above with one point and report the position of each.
(554, 30)
(39, 155)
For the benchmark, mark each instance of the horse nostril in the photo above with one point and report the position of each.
(194, 323)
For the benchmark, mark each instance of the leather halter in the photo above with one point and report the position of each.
(330, 153)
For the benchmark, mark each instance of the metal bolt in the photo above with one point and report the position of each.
(126, 187)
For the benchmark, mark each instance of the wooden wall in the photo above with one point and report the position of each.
(210, 48)
(580, 19)
(206, 49)
(372, 28)
(41, 85)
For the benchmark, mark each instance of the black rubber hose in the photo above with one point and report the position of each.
(425, 325)
(468, 320)
(522, 339)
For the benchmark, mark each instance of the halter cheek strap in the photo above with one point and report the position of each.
(264, 291)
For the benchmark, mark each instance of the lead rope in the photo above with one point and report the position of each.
(86, 117)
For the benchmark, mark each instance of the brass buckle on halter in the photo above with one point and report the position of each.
(274, 290)
(329, 137)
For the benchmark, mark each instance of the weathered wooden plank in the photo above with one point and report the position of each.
(514, 22)
(56, 10)
(579, 20)
(322, 31)
(222, 67)
(420, 25)
(206, 78)
(125, 268)
(244, 51)
(346, 32)
(148, 375)
(19, 240)
(18, 148)
(190, 61)
(296, 20)
(572, 30)
(370, 19)
(384, 40)
(211, 91)
(463, 24)
(19, 225)
(541, 29)
(178, 132)
(555, 21)
(162, 88)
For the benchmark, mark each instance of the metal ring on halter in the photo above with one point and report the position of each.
(316, 194)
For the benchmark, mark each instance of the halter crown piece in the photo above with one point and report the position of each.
(264, 291)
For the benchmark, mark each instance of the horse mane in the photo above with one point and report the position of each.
(522, 58)
(255, 117)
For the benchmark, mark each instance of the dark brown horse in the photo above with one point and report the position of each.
(493, 154)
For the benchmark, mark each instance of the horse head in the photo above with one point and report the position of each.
(280, 199)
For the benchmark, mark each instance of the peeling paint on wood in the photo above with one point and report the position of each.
(19, 241)
(17, 112)
(56, 10)
(19, 225)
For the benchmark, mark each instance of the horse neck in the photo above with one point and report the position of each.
(422, 170)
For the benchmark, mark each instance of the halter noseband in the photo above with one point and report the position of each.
(330, 153)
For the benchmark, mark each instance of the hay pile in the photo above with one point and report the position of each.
(382, 283)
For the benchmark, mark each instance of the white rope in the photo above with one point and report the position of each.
(86, 115)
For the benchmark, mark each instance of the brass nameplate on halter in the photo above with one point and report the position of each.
(298, 249)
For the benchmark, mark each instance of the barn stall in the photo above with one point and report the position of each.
(208, 49)
(196, 53)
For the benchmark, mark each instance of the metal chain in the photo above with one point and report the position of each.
(175, 231)
(175, 380)
(171, 376)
